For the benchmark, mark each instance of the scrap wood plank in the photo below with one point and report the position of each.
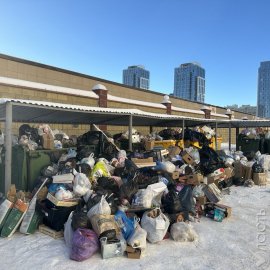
(48, 231)
(106, 137)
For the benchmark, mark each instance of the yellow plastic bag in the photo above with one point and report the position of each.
(98, 171)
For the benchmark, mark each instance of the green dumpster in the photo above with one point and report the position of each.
(40, 158)
(247, 144)
(18, 168)
(135, 146)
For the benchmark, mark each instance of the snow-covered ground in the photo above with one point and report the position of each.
(232, 244)
(226, 146)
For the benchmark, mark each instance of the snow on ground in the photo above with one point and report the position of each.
(232, 244)
(225, 146)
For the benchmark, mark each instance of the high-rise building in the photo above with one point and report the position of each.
(244, 108)
(263, 93)
(189, 82)
(136, 76)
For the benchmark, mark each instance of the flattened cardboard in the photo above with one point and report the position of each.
(247, 172)
(212, 179)
(144, 162)
(187, 158)
(259, 179)
(47, 141)
(228, 172)
(63, 179)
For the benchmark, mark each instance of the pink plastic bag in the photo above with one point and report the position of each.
(84, 245)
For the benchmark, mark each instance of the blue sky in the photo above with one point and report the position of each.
(101, 38)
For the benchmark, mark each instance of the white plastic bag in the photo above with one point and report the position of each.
(89, 160)
(264, 161)
(167, 166)
(81, 184)
(137, 238)
(143, 198)
(63, 194)
(157, 191)
(183, 232)
(100, 208)
(68, 231)
(156, 224)
(57, 144)
(71, 153)
(122, 153)
(198, 191)
(2, 138)
(267, 135)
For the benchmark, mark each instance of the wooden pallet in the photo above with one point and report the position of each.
(48, 231)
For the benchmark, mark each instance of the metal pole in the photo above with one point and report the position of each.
(183, 131)
(130, 133)
(92, 127)
(8, 155)
(230, 135)
(237, 132)
(151, 129)
(216, 137)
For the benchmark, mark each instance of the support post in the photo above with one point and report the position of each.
(130, 133)
(230, 135)
(183, 131)
(237, 132)
(92, 127)
(151, 129)
(216, 137)
(8, 155)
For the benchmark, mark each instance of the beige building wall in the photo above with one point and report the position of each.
(30, 71)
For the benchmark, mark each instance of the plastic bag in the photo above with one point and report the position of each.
(2, 138)
(108, 183)
(249, 183)
(57, 144)
(68, 231)
(186, 200)
(183, 232)
(63, 194)
(171, 203)
(167, 166)
(250, 155)
(89, 160)
(80, 220)
(81, 184)
(102, 207)
(99, 170)
(157, 191)
(84, 244)
(71, 154)
(124, 223)
(32, 145)
(49, 170)
(257, 167)
(265, 162)
(122, 154)
(137, 238)
(143, 198)
(128, 190)
(156, 224)
(197, 191)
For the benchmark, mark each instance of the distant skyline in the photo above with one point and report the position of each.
(101, 38)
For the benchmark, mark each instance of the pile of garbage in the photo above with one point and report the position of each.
(117, 201)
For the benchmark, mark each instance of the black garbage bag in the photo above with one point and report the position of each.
(58, 137)
(128, 190)
(239, 181)
(171, 203)
(225, 183)
(119, 172)
(167, 134)
(113, 203)
(108, 183)
(178, 136)
(83, 153)
(155, 154)
(95, 198)
(145, 177)
(257, 167)
(84, 168)
(249, 155)
(80, 220)
(209, 160)
(186, 200)
(39, 181)
(72, 162)
(178, 163)
(170, 180)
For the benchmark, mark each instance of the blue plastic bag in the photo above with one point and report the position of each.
(125, 224)
(55, 187)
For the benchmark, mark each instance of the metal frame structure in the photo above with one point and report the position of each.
(46, 112)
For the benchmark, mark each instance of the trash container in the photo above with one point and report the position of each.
(246, 144)
(39, 158)
(18, 168)
(135, 146)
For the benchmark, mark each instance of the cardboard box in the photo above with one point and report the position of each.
(247, 172)
(144, 162)
(194, 179)
(213, 179)
(237, 169)
(174, 175)
(63, 179)
(11, 195)
(187, 158)
(149, 145)
(47, 141)
(259, 179)
(201, 200)
(228, 209)
(228, 172)
(173, 151)
(133, 253)
(68, 203)
(210, 194)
